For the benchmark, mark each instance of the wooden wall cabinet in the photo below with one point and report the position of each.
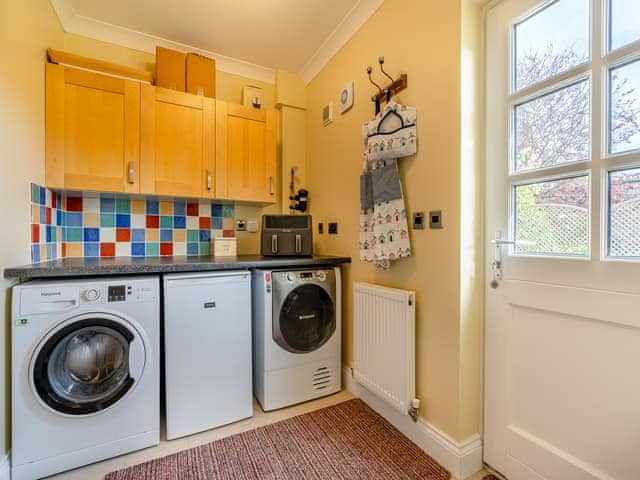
(177, 143)
(92, 131)
(245, 153)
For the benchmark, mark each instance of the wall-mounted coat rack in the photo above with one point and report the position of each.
(385, 93)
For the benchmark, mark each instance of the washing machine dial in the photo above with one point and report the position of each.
(322, 276)
(291, 277)
(92, 294)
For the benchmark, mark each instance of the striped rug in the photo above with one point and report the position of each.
(344, 441)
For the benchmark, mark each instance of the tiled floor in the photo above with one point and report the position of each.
(99, 470)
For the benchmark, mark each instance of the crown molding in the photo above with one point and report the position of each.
(126, 37)
(349, 25)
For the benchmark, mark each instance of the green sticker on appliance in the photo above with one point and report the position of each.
(21, 321)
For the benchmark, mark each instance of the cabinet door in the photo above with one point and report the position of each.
(177, 143)
(245, 152)
(92, 131)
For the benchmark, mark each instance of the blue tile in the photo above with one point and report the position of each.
(216, 210)
(137, 235)
(43, 215)
(59, 200)
(73, 219)
(216, 223)
(205, 235)
(35, 253)
(43, 196)
(52, 251)
(91, 250)
(123, 220)
(192, 249)
(137, 249)
(179, 208)
(49, 234)
(179, 222)
(58, 217)
(107, 204)
(153, 207)
(91, 235)
(166, 235)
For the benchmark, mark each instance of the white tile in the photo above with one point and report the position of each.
(123, 249)
(47, 196)
(138, 220)
(193, 223)
(43, 233)
(108, 234)
(180, 248)
(204, 208)
(91, 204)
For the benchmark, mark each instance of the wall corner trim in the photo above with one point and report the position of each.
(126, 37)
(462, 459)
(5, 466)
(350, 24)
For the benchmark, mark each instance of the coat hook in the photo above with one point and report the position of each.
(369, 70)
(381, 62)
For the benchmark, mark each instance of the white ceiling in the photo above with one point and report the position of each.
(293, 35)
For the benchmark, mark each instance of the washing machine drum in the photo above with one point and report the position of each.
(306, 320)
(83, 368)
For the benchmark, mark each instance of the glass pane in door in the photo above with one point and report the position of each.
(624, 213)
(624, 107)
(552, 217)
(551, 41)
(624, 24)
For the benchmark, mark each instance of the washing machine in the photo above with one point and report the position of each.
(296, 335)
(85, 372)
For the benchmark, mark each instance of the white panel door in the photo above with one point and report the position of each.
(562, 351)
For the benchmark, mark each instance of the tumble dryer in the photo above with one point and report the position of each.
(85, 372)
(296, 335)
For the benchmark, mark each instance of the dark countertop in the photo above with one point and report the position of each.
(80, 267)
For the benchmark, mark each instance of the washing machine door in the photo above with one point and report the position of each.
(87, 364)
(306, 319)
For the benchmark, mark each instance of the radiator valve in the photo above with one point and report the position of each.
(414, 409)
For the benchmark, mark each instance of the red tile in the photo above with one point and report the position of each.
(192, 209)
(74, 204)
(47, 214)
(35, 233)
(228, 233)
(123, 235)
(107, 249)
(205, 223)
(153, 221)
(54, 200)
(166, 249)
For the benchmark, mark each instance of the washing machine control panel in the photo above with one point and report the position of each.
(116, 293)
(309, 275)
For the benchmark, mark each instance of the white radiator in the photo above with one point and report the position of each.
(384, 329)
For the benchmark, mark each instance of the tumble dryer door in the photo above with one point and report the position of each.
(306, 319)
(87, 364)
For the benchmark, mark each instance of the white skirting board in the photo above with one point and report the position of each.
(462, 459)
(5, 467)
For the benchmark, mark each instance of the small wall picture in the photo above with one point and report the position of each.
(346, 97)
(252, 96)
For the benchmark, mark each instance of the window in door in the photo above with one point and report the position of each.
(575, 129)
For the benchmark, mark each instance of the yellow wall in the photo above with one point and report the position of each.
(421, 38)
(27, 29)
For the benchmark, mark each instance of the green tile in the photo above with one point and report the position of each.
(107, 220)
(193, 235)
(227, 211)
(152, 250)
(35, 193)
(123, 205)
(74, 234)
(204, 248)
(166, 221)
(54, 234)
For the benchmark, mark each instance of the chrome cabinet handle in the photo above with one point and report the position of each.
(298, 243)
(132, 173)
(209, 180)
(272, 187)
(274, 243)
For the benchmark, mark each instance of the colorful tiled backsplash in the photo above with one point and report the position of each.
(108, 225)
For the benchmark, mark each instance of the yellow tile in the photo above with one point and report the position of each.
(91, 220)
(137, 206)
(228, 224)
(74, 249)
(35, 214)
(178, 235)
(166, 208)
(153, 235)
